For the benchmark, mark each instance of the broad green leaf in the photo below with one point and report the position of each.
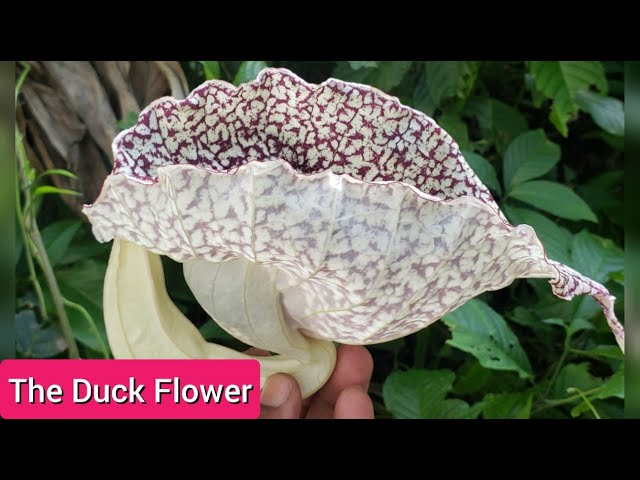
(35, 341)
(454, 126)
(384, 76)
(607, 112)
(435, 405)
(612, 387)
(48, 189)
(422, 394)
(555, 321)
(578, 324)
(555, 239)
(359, 65)
(479, 330)
(484, 169)
(84, 249)
(499, 122)
(82, 283)
(574, 375)
(524, 316)
(449, 409)
(248, 71)
(422, 99)
(388, 75)
(57, 237)
(515, 405)
(471, 377)
(606, 351)
(402, 392)
(596, 257)
(448, 79)
(561, 81)
(554, 198)
(530, 155)
(605, 193)
(211, 70)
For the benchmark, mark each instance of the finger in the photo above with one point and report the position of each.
(354, 402)
(281, 397)
(354, 367)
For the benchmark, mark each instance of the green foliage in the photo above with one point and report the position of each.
(545, 137)
(562, 82)
(248, 71)
(423, 394)
(479, 330)
(555, 198)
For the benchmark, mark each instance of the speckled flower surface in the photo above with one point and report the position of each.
(374, 223)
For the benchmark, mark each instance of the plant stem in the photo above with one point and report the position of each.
(561, 360)
(556, 403)
(27, 255)
(30, 226)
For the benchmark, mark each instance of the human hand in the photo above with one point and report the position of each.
(343, 396)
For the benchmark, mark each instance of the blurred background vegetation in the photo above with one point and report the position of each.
(545, 137)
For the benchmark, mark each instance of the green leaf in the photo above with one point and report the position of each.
(578, 324)
(561, 81)
(127, 122)
(554, 198)
(248, 71)
(82, 283)
(402, 392)
(605, 193)
(455, 126)
(606, 351)
(479, 330)
(596, 257)
(612, 387)
(385, 76)
(515, 405)
(484, 169)
(210, 330)
(574, 375)
(530, 155)
(47, 189)
(434, 405)
(448, 79)
(555, 239)
(388, 75)
(211, 70)
(499, 122)
(471, 377)
(422, 99)
(422, 394)
(607, 112)
(35, 341)
(58, 171)
(57, 237)
(359, 65)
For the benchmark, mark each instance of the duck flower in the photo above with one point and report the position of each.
(303, 215)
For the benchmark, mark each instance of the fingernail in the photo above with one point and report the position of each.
(276, 391)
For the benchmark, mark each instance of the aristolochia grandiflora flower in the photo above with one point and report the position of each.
(303, 215)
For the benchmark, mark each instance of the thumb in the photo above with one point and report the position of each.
(281, 397)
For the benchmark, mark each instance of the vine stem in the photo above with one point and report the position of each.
(30, 227)
(27, 255)
(561, 360)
